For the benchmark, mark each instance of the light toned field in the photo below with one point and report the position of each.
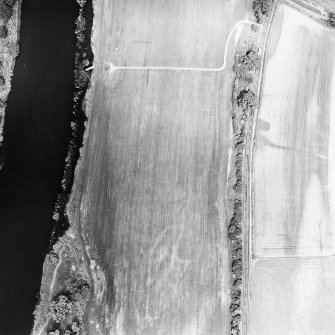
(293, 200)
(293, 297)
(292, 289)
(150, 189)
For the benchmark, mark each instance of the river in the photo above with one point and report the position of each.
(36, 134)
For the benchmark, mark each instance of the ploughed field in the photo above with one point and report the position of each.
(293, 223)
(153, 200)
(150, 189)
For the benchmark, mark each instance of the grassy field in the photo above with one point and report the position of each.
(150, 189)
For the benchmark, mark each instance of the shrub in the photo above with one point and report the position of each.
(246, 61)
(3, 31)
(331, 19)
(2, 81)
(247, 99)
(56, 332)
(75, 327)
(60, 308)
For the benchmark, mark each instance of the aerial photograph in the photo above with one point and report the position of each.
(166, 167)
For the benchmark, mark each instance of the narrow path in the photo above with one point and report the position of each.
(113, 67)
(53, 284)
(56, 269)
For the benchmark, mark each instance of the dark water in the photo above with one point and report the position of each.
(37, 132)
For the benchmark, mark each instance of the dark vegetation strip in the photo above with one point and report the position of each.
(6, 12)
(63, 308)
(9, 50)
(83, 59)
(262, 9)
(330, 20)
(244, 102)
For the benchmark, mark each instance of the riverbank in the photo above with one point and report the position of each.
(66, 282)
(37, 132)
(65, 289)
(9, 50)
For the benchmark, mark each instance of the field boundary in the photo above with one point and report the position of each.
(248, 172)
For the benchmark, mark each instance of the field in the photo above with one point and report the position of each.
(294, 205)
(181, 33)
(150, 190)
(301, 300)
(153, 203)
(293, 225)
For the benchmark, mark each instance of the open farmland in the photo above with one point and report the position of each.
(150, 190)
(153, 200)
(294, 205)
(293, 296)
(180, 33)
(293, 225)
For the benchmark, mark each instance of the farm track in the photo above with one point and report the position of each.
(113, 67)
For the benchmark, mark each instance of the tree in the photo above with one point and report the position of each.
(2, 81)
(56, 332)
(60, 308)
(262, 9)
(3, 31)
(247, 99)
(6, 9)
(246, 61)
(331, 19)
